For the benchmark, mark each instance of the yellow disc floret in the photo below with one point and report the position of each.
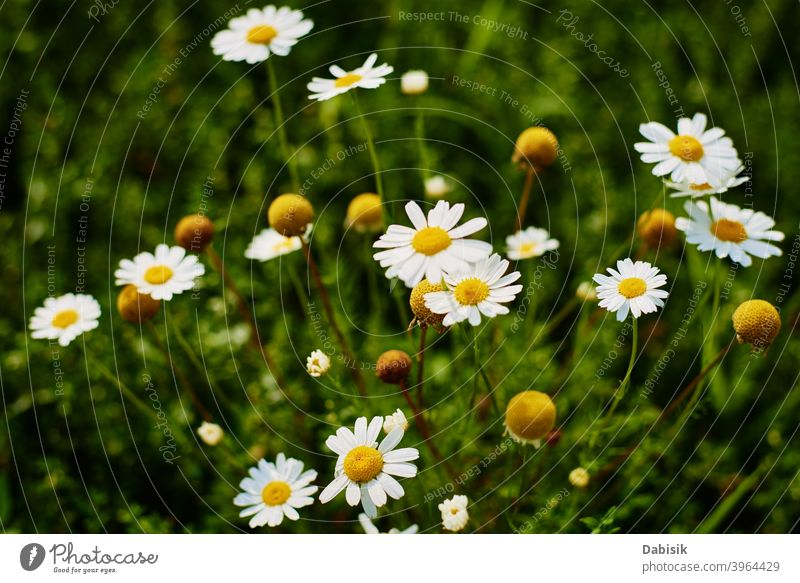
(431, 240)
(422, 313)
(632, 287)
(158, 274)
(756, 322)
(64, 319)
(471, 291)
(657, 228)
(727, 230)
(276, 493)
(687, 148)
(363, 464)
(135, 307)
(537, 147)
(530, 415)
(261, 34)
(364, 213)
(290, 214)
(348, 80)
(194, 232)
(393, 367)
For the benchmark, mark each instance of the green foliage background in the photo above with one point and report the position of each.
(88, 460)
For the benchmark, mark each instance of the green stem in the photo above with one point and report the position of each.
(424, 159)
(276, 105)
(626, 381)
(372, 152)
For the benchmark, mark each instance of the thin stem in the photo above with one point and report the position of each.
(424, 160)
(276, 105)
(421, 365)
(523, 201)
(198, 364)
(373, 154)
(626, 381)
(424, 429)
(351, 364)
(149, 411)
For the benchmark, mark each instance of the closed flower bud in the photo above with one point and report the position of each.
(586, 291)
(290, 214)
(657, 228)
(756, 322)
(537, 147)
(135, 307)
(579, 478)
(194, 232)
(210, 433)
(414, 82)
(530, 415)
(364, 213)
(437, 186)
(393, 367)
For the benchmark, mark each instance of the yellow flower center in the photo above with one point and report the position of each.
(158, 274)
(348, 80)
(687, 148)
(632, 287)
(363, 464)
(471, 291)
(65, 319)
(726, 230)
(704, 186)
(431, 240)
(528, 249)
(261, 34)
(276, 493)
(283, 245)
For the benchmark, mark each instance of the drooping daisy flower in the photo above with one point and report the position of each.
(275, 490)
(370, 528)
(260, 33)
(269, 244)
(169, 272)
(454, 513)
(529, 243)
(433, 246)
(729, 231)
(631, 287)
(688, 188)
(366, 76)
(482, 288)
(65, 318)
(695, 154)
(318, 363)
(365, 469)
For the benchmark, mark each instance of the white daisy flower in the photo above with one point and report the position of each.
(531, 242)
(370, 528)
(433, 246)
(454, 513)
(275, 491)
(210, 433)
(269, 244)
(318, 363)
(365, 469)
(414, 82)
(167, 273)
(687, 188)
(631, 287)
(65, 318)
(259, 33)
(437, 186)
(396, 419)
(695, 154)
(365, 76)
(482, 288)
(730, 231)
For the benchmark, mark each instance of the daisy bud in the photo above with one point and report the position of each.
(210, 433)
(530, 415)
(290, 214)
(436, 186)
(537, 147)
(756, 322)
(364, 213)
(414, 82)
(393, 367)
(657, 228)
(579, 478)
(586, 292)
(194, 232)
(396, 419)
(318, 363)
(135, 307)
(423, 314)
(454, 513)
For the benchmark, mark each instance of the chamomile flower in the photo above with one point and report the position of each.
(688, 188)
(414, 82)
(269, 244)
(210, 433)
(529, 243)
(260, 33)
(366, 76)
(729, 231)
(365, 469)
(318, 363)
(437, 186)
(396, 419)
(370, 528)
(162, 275)
(276, 490)
(695, 154)
(65, 318)
(631, 287)
(482, 288)
(454, 513)
(433, 246)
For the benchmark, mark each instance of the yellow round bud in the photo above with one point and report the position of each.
(422, 313)
(756, 322)
(530, 415)
(364, 213)
(135, 307)
(579, 478)
(657, 228)
(393, 367)
(194, 232)
(537, 147)
(290, 214)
